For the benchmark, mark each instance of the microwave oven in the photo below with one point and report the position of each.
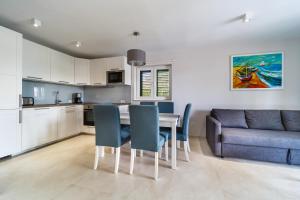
(115, 77)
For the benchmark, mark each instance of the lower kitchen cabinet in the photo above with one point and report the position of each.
(39, 126)
(47, 124)
(10, 132)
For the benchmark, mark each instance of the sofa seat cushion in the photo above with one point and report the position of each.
(262, 138)
(264, 119)
(291, 120)
(294, 157)
(230, 118)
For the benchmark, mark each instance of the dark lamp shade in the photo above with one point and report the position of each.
(136, 57)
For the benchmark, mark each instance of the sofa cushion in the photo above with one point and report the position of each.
(262, 138)
(294, 157)
(291, 120)
(264, 119)
(230, 118)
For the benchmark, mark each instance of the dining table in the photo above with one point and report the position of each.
(165, 120)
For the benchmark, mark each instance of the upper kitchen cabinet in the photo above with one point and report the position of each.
(98, 69)
(36, 61)
(62, 67)
(82, 71)
(116, 63)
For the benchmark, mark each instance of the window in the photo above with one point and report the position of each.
(153, 83)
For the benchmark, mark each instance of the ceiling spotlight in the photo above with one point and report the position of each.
(36, 23)
(247, 17)
(77, 44)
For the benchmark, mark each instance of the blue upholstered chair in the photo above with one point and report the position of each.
(182, 132)
(165, 107)
(109, 132)
(149, 103)
(145, 135)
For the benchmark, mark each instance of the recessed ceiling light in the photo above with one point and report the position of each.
(248, 16)
(36, 23)
(78, 44)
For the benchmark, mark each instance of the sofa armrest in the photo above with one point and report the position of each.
(213, 135)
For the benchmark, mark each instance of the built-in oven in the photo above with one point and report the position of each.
(115, 77)
(88, 116)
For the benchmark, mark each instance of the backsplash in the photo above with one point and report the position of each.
(107, 94)
(44, 93)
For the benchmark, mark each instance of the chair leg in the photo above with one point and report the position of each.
(141, 153)
(112, 150)
(102, 151)
(132, 155)
(160, 153)
(96, 158)
(178, 144)
(156, 166)
(189, 148)
(117, 160)
(185, 146)
(166, 151)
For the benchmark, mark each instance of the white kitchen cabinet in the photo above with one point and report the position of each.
(82, 71)
(40, 126)
(36, 61)
(98, 69)
(79, 118)
(62, 68)
(9, 134)
(10, 90)
(67, 122)
(116, 63)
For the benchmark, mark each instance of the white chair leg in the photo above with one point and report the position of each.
(185, 146)
(166, 151)
(117, 160)
(132, 155)
(102, 151)
(156, 166)
(178, 144)
(141, 153)
(189, 148)
(96, 158)
(112, 150)
(160, 153)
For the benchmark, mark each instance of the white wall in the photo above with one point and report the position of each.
(202, 76)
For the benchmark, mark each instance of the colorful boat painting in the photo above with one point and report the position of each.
(257, 71)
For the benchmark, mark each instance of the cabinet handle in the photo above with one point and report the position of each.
(81, 83)
(20, 116)
(20, 101)
(33, 77)
(63, 81)
(98, 84)
(41, 108)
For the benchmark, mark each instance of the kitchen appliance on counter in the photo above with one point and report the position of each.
(27, 101)
(115, 77)
(77, 98)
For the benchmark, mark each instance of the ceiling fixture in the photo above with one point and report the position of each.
(78, 44)
(36, 23)
(247, 17)
(136, 57)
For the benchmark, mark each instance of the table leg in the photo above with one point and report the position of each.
(174, 149)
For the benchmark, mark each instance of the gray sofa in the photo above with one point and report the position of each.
(265, 135)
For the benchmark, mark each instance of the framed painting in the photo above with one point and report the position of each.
(257, 71)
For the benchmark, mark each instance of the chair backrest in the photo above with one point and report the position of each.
(150, 103)
(144, 126)
(186, 120)
(166, 107)
(107, 125)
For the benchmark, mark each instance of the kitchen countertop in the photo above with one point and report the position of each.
(66, 104)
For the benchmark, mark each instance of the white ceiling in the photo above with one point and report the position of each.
(104, 26)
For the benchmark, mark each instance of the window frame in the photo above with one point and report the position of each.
(153, 96)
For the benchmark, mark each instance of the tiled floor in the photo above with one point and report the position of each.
(64, 171)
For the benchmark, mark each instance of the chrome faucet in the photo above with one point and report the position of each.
(57, 100)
